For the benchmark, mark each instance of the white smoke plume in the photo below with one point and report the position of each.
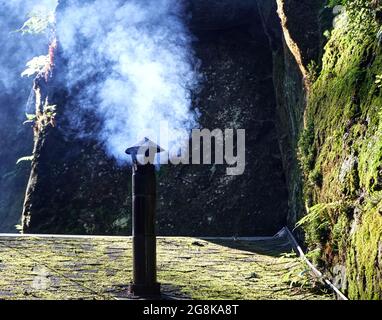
(132, 64)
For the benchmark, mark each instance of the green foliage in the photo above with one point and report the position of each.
(322, 225)
(320, 213)
(306, 147)
(313, 71)
(38, 22)
(50, 111)
(361, 14)
(316, 177)
(49, 115)
(29, 158)
(316, 225)
(50, 108)
(31, 118)
(36, 66)
(333, 3)
(371, 157)
(340, 233)
(378, 80)
(364, 259)
(327, 34)
(314, 255)
(343, 148)
(299, 275)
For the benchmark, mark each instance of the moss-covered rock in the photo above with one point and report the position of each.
(341, 147)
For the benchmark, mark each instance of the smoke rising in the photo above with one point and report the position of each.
(17, 49)
(135, 68)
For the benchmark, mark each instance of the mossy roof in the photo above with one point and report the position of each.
(35, 267)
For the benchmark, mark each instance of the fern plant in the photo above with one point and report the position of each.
(29, 158)
(30, 118)
(36, 66)
(38, 22)
(319, 212)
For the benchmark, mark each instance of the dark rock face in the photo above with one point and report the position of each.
(303, 25)
(238, 93)
(221, 14)
(291, 98)
(12, 177)
(75, 188)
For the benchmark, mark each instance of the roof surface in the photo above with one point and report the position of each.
(37, 267)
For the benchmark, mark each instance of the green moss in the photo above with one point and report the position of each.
(306, 146)
(316, 177)
(340, 235)
(316, 223)
(363, 263)
(101, 268)
(341, 152)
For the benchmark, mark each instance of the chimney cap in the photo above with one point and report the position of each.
(143, 147)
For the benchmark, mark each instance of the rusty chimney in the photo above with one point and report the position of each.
(143, 220)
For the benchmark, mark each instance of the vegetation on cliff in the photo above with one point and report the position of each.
(341, 152)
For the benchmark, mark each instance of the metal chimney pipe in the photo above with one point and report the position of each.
(143, 222)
